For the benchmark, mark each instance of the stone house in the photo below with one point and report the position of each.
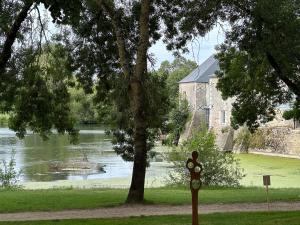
(210, 110)
(206, 103)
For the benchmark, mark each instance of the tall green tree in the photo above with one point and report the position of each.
(35, 93)
(179, 109)
(175, 72)
(260, 58)
(111, 38)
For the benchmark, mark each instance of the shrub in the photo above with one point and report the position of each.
(9, 176)
(219, 168)
(258, 140)
(243, 139)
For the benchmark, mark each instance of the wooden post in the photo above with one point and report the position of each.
(267, 182)
(195, 169)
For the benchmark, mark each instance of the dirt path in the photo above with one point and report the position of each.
(147, 210)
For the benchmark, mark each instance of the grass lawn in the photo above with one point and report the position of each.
(285, 172)
(261, 218)
(58, 199)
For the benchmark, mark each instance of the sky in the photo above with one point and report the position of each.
(199, 50)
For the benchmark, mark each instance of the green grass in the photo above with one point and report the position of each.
(59, 199)
(261, 218)
(285, 172)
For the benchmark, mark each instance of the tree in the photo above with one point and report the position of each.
(260, 59)
(112, 38)
(179, 109)
(82, 106)
(178, 118)
(119, 34)
(293, 113)
(176, 71)
(35, 94)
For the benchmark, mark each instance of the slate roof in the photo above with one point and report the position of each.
(203, 72)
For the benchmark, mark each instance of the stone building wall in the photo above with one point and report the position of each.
(187, 91)
(218, 107)
(220, 113)
(201, 102)
(195, 94)
(207, 106)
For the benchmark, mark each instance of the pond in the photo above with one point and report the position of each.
(55, 162)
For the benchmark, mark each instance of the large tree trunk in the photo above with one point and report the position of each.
(11, 36)
(136, 191)
(137, 98)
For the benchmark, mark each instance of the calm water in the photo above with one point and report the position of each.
(36, 158)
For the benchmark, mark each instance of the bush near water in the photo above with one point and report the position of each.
(219, 168)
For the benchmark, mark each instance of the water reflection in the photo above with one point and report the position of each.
(56, 159)
(37, 158)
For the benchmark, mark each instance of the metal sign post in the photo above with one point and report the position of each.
(267, 182)
(195, 169)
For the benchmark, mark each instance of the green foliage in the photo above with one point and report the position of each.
(243, 139)
(4, 119)
(82, 106)
(175, 72)
(114, 108)
(219, 168)
(178, 118)
(294, 113)
(179, 109)
(41, 97)
(258, 140)
(9, 176)
(260, 58)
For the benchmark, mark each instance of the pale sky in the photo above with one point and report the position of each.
(199, 50)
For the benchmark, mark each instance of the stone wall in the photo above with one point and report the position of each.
(207, 107)
(187, 91)
(218, 106)
(195, 94)
(293, 142)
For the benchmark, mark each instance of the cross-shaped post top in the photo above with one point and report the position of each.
(195, 169)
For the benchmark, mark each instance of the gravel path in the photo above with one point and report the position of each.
(147, 210)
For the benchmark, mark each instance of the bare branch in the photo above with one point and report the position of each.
(43, 31)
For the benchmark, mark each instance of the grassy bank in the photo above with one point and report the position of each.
(274, 218)
(285, 172)
(58, 199)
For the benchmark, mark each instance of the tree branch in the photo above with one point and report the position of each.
(43, 31)
(109, 8)
(293, 86)
(143, 45)
(12, 34)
